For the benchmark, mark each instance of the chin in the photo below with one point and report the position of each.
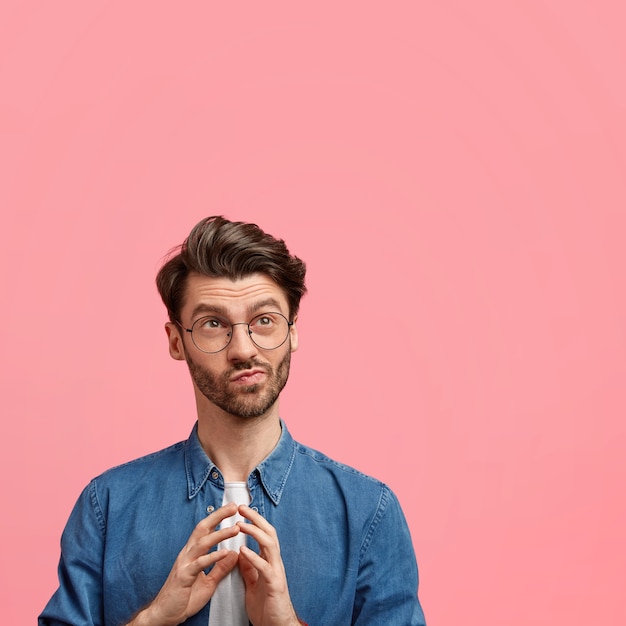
(245, 406)
(247, 413)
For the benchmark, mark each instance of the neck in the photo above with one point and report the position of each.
(237, 445)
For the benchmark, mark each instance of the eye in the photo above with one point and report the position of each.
(264, 323)
(209, 323)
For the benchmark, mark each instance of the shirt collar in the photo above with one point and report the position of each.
(271, 471)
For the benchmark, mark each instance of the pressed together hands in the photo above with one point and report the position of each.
(188, 589)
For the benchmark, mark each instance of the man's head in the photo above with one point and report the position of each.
(232, 293)
(219, 248)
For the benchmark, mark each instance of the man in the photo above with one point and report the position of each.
(239, 523)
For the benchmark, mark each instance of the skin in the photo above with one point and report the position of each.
(236, 393)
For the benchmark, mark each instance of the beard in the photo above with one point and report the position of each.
(241, 401)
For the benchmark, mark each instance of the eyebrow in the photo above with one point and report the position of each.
(218, 309)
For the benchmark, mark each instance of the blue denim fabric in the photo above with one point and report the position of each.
(344, 541)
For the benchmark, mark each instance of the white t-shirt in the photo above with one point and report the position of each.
(228, 606)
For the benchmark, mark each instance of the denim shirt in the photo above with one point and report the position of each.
(344, 540)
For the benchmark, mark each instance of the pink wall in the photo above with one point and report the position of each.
(452, 172)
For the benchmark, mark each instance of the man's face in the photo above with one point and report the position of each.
(242, 379)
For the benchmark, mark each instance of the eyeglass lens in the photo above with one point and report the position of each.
(267, 330)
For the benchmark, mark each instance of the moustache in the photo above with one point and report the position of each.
(248, 365)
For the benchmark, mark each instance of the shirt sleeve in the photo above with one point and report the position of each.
(78, 600)
(388, 578)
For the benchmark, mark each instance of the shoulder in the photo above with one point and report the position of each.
(370, 506)
(327, 475)
(141, 478)
(323, 463)
(162, 458)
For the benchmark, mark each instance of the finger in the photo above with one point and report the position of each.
(257, 519)
(252, 561)
(200, 545)
(206, 561)
(268, 544)
(186, 569)
(223, 565)
(212, 521)
(249, 573)
(268, 540)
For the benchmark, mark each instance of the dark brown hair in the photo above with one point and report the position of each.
(220, 248)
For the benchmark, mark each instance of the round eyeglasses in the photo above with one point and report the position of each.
(211, 334)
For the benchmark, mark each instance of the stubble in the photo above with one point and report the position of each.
(247, 401)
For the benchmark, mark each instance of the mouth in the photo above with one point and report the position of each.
(249, 377)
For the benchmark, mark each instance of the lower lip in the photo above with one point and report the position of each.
(253, 379)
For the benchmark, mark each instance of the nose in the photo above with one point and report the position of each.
(241, 346)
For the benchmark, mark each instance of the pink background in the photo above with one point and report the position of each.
(452, 172)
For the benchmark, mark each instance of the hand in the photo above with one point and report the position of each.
(267, 596)
(187, 588)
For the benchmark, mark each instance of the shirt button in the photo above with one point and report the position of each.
(210, 508)
(254, 508)
(215, 475)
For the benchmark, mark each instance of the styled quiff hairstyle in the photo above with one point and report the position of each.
(219, 248)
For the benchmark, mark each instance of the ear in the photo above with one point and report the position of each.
(175, 340)
(293, 335)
